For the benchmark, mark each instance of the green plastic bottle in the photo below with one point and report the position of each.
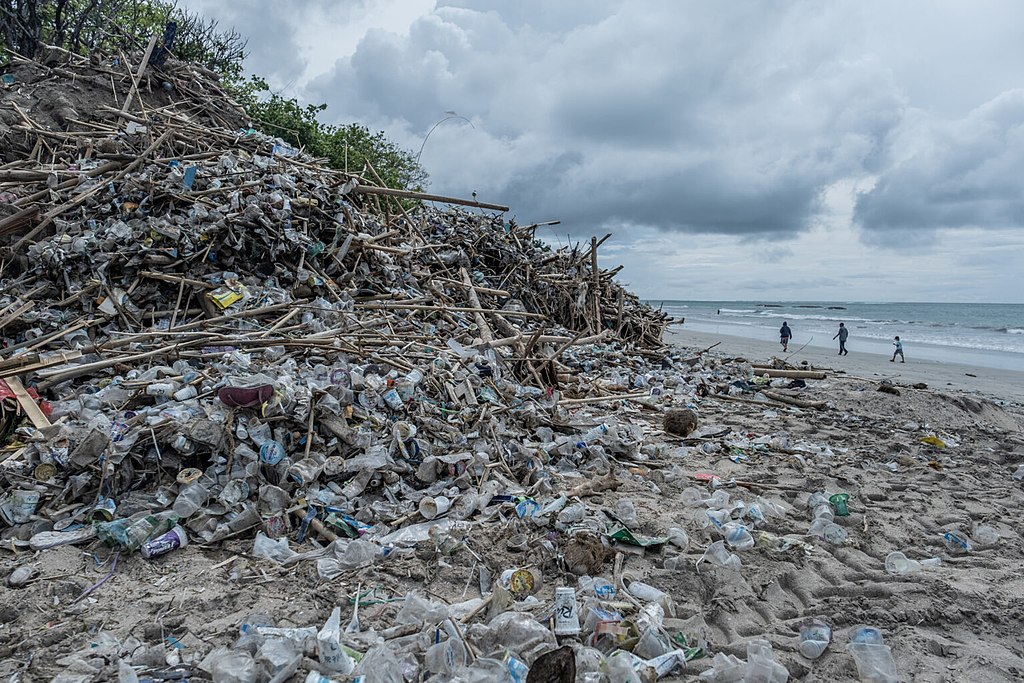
(128, 535)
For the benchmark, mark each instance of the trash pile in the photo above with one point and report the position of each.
(208, 336)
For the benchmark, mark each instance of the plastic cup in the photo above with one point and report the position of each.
(898, 563)
(161, 545)
(835, 534)
(839, 504)
(651, 644)
(567, 620)
(815, 635)
(432, 507)
(718, 555)
(985, 535)
(874, 663)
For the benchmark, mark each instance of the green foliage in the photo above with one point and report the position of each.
(108, 26)
(344, 147)
(111, 25)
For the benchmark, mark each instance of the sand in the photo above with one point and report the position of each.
(959, 621)
(998, 384)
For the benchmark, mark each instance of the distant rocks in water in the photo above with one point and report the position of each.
(831, 308)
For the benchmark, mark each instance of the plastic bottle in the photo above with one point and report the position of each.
(956, 543)
(647, 592)
(129, 535)
(593, 433)
(190, 498)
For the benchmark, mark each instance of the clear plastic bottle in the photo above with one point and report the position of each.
(649, 593)
(594, 433)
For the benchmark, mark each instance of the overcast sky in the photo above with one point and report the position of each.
(861, 150)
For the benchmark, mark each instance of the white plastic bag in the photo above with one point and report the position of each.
(328, 645)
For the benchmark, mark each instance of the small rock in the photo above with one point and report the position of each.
(681, 422)
(21, 576)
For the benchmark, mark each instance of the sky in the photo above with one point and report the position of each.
(861, 150)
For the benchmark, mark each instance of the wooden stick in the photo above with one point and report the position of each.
(63, 357)
(791, 374)
(478, 288)
(138, 75)
(58, 375)
(596, 283)
(485, 330)
(601, 399)
(406, 194)
(8, 319)
(167, 277)
(793, 401)
(460, 309)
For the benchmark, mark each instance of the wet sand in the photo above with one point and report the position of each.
(1003, 385)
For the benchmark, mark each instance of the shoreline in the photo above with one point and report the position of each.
(963, 355)
(995, 383)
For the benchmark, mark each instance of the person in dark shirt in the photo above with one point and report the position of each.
(785, 334)
(842, 334)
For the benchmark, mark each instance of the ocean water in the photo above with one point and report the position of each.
(990, 335)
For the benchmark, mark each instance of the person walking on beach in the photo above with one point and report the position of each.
(898, 352)
(785, 334)
(842, 334)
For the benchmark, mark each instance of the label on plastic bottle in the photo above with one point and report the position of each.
(517, 671)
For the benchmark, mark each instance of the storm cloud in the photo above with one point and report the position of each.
(777, 127)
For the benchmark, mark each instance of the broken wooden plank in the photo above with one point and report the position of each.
(28, 404)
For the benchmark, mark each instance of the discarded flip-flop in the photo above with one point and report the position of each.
(245, 397)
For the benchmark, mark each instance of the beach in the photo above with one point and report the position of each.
(928, 473)
(996, 383)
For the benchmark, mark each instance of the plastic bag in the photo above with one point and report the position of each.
(328, 646)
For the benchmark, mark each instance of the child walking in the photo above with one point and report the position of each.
(898, 352)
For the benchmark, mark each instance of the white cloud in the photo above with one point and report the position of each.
(777, 148)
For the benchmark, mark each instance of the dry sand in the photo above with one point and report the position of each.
(960, 621)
